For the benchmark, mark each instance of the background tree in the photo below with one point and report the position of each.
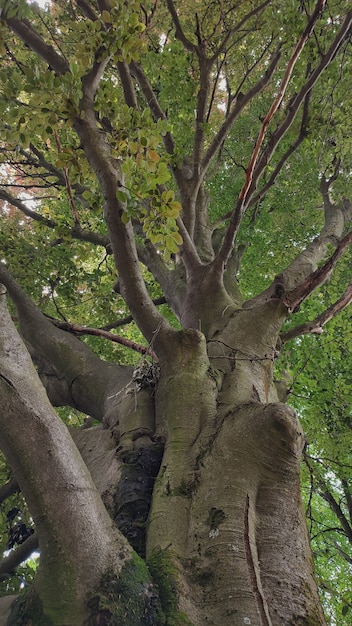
(178, 172)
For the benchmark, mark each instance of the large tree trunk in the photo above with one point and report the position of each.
(226, 512)
(200, 472)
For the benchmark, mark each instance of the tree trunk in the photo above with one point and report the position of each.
(200, 473)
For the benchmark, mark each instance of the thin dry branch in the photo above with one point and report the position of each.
(77, 329)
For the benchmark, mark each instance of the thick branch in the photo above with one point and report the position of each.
(8, 489)
(335, 507)
(127, 84)
(152, 101)
(49, 468)
(294, 298)
(26, 32)
(133, 288)
(89, 380)
(18, 556)
(178, 28)
(316, 325)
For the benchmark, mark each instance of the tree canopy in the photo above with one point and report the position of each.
(164, 165)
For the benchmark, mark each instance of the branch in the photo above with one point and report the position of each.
(127, 84)
(67, 183)
(238, 26)
(133, 289)
(281, 92)
(152, 102)
(178, 28)
(294, 105)
(29, 36)
(294, 298)
(18, 556)
(8, 489)
(239, 104)
(72, 361)
(4, 195)
(254, 171)
(76, 232)
(335, 507)
(316, 326)
(99, 332)
(348, 497)
(293, 147)
(128, 319)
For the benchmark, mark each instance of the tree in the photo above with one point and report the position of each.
(203, 147)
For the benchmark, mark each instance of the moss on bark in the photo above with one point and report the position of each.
(27, 609)
(127, 600)
(163, 569)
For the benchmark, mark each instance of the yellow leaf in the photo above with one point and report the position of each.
(153, 156)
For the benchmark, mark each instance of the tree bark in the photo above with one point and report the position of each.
(77, 540)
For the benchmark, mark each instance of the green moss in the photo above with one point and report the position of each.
(28, 610)
(185, 489)
(215, 518)
(128, 600)
(162, 567)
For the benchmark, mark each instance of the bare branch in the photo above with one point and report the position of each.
(76, 232)
(4, 195)
(335, 507)
(238, 27)
(292, 110)
(68, 183)
(77, 329)
(149, 94)
(292, 148)
(87, 10)
(281, 92)
(239, 103)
